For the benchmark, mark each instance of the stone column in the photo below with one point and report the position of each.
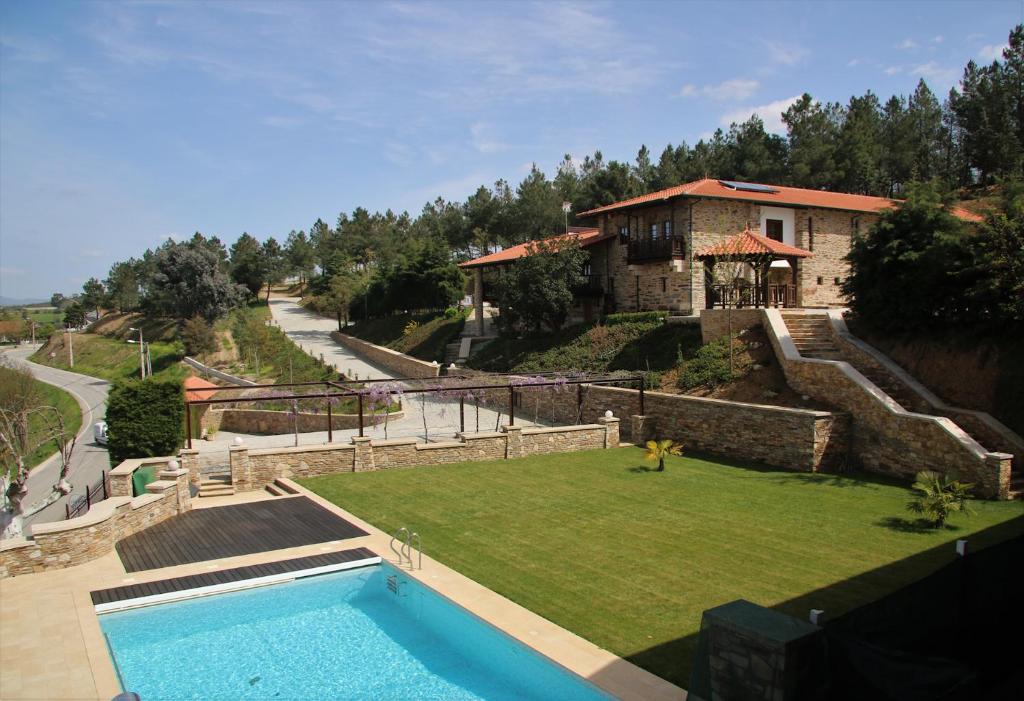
(636, 429)
(120, 485)
(746, 651)
(611, 431)
(189, 459)
(999, 465)
(478, 299)
(513, 441)
(241, 471)
(182, 488)
(363, 460)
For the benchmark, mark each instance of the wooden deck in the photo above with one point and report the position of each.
(228, 531)
(236, 574)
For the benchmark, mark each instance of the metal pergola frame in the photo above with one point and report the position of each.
(327, 395)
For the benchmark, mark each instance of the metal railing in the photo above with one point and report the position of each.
(80, 505)
(654, 249)
(404, 552)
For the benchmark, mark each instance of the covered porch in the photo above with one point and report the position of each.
(750, 270)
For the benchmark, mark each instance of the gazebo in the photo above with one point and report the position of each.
(761, 254)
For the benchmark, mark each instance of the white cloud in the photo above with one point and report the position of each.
(734, 89)
(892, 70)
(770, 114)
(907, 44)
(786, 54)
(854, 62)
(934, 72)
(483, 141)
(938, 39)
(992, 52)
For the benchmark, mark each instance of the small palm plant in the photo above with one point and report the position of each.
(938, 495)
(658, 450)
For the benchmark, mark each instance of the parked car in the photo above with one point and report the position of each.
(99, 432)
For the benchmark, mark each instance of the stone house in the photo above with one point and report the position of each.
(656, 251)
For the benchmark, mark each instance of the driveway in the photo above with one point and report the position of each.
(89, 459)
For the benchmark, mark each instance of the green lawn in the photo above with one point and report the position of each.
(629, 558)
(69, 409)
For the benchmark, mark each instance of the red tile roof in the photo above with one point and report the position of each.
(750, 243)
(586, 236)
(197, 388)
(783, 196)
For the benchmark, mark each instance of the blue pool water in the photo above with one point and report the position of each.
(335, 636)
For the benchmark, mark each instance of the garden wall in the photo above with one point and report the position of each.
(399, 363)
(63, 544)
(714, 323)
(254, 469)
(263, 422)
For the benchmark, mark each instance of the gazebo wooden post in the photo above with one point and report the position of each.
(709, 283)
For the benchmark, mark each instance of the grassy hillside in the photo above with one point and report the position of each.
(422, 336)
(644, 344)
(109, 358)
(69, 409)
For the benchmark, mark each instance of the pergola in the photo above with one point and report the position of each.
(759, 252)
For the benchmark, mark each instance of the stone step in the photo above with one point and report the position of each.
(222, 490)
(216, 479)
(286, 488)
(275, 490)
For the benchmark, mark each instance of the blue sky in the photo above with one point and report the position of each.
(123, 124)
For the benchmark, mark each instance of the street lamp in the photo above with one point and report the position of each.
(142, 352)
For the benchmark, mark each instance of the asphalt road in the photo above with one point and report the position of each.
(89, 459)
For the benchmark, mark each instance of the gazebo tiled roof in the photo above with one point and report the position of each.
(749, 244)
(197, 389)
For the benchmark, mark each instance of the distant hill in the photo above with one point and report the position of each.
(15, 302)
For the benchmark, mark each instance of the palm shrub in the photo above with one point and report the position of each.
(939, 495)
(659, 450)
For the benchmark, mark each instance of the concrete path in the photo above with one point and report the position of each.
(89, 459)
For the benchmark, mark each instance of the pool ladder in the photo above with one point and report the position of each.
(404, 552)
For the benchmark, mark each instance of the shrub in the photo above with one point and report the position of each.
(145, 418)
(410, 327)
(937, 496)
(709, 366)
(198, 336)
(635, 318)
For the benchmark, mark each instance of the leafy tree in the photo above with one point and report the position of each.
(538, 207)
(57, 300)
(645, 172)
(198, 336)
(938, 495)
(123, 285)
(537, 290)
(248, 264)
(859, 146)
(145, 418)
(659, 450)
(93, 295)
(924, 124)
(301, 255)
(74, 316)
(902, 272)
(341, 292)
(754, 154)
(997, 276)
(187, 280)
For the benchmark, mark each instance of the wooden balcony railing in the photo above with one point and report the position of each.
(739, 296)
(655, 249)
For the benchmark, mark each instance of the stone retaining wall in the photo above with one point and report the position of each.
(399, 363)
(714, 323)
(254, 469)
(273, 423)
(63, 544)
(885, 438)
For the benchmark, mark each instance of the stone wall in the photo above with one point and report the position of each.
(399, 363)
(254, 469)
(714, 323)
(62, 544)
(885, 438)
(262, 422)
(833, 233)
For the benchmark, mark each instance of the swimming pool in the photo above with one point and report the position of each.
(369, 633)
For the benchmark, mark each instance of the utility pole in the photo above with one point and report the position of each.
(142, 352)
(149, 359)
(71, 348)
(566, 206)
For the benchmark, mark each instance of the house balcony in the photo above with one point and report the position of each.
(593, 286)
(744, 296)
(646, 250)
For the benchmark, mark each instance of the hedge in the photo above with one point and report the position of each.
(145, 418)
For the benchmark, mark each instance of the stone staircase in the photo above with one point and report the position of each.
(451, 352)
(215, 481)
(280, 489)
(812, 335)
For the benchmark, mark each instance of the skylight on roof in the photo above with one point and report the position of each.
(747, 187)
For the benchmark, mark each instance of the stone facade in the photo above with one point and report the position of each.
(254, 469)
(399, 363)
(677, 284)
(68, 543)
